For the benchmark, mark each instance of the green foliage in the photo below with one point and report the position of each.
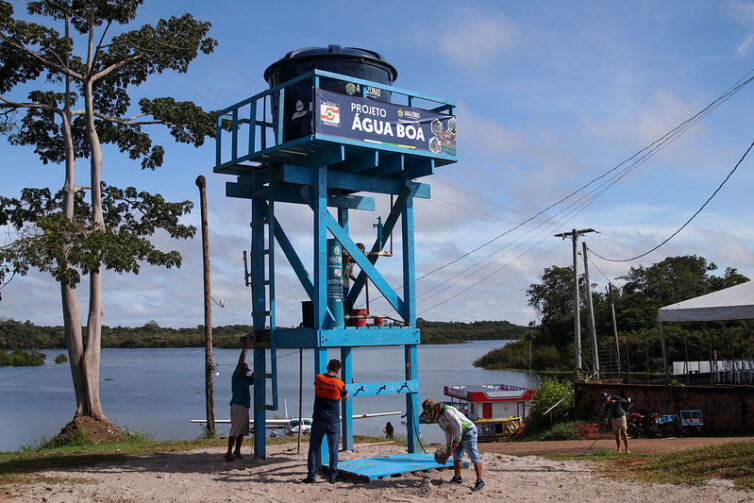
(127, 59)
(17, 335)
(515, 355)
(70, 438)
(67, 249)
(561, 431)
(19, 358)
(672, 280)
(439, 332)
(553, 301)
(61, 358)
(549, 392)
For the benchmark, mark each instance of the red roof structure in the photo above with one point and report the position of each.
(488, 393)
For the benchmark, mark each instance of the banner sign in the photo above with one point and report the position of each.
(382, 123)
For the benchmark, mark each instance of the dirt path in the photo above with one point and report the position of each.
(638, 445)
(203, 476)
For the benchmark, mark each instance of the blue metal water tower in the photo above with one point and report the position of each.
(330, 129)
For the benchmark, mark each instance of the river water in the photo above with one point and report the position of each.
(157, 390)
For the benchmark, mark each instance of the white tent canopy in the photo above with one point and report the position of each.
(734, 303)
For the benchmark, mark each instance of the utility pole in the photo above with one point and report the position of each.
(590, 319)
(574, 235)
(209, 389)
(615, 323)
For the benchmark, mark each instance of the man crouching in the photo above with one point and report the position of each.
(460, 434)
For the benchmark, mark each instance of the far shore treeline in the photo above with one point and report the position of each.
(15, 335)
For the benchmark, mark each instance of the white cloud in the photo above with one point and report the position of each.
(661, 112)
(485, 135)
(743, 12)
(745, 45)
(475, 38)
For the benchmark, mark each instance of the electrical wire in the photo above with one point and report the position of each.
(610, 176)
(674, 234)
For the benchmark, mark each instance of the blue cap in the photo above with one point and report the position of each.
(605, 395)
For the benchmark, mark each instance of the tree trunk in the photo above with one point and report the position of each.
(71, 314)
(94, 321)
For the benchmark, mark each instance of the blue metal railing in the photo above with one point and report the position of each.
(245, 114)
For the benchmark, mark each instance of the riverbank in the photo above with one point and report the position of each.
(14, 334)
(201, 475)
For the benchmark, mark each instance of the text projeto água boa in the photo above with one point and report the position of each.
(371, 119)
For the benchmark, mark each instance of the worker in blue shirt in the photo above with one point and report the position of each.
(240, 402)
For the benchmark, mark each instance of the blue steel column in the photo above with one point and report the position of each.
(320, 250)
(346, 373)
(320, 279)
(258, 305)
(412, 399)
(320, 367)
(409, 316)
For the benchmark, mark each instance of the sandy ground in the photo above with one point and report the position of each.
(203, 476)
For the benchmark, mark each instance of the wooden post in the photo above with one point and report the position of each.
(646, 357)
(209, 390)
(576, 308)
(711, 376)
(664, 354)
(686, 344)
(615, 323)
(590, 315)
(300, 397)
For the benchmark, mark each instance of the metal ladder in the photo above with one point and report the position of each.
(262, 279)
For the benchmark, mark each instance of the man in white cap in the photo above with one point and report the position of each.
(460, 435)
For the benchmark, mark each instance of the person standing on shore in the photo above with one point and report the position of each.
(328, 392)
(614, 409)
(240, 401)
(460, 434)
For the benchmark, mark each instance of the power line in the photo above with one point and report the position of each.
(687, 221)
(477, 196)
(638, 158)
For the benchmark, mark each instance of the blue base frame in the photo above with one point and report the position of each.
(386, 466)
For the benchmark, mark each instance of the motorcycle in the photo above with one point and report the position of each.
(636, 425)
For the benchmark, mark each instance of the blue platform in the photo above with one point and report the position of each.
(385, 466)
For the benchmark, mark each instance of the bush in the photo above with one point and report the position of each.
(61, 358)
(19, 358)
(515, 355)
(546, 395)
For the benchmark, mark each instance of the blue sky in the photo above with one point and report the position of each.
(550, 95)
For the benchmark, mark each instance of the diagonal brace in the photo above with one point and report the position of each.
(366, 266)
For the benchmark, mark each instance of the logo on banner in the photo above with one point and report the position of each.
(409, 114)
(329, 114)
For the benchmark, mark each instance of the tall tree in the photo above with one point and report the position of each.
(61, 233)
(671, 280)
(553, 301)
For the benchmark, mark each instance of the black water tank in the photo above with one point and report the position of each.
(354, 62)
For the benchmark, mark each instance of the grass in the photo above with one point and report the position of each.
(561, 431)
(732, 461)
(16, 467)
(21, 467)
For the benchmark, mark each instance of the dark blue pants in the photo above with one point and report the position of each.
(319, 430)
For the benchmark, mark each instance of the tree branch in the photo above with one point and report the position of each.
(128, 121)
(60, 68)
(12, 104)
(90, 44)
(102, 38)
(116, 66)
